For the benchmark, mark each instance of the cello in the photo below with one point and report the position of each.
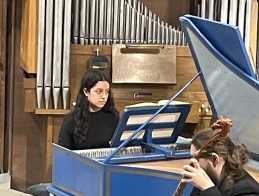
(223, 124)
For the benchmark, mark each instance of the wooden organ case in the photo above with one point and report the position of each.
(52, 108)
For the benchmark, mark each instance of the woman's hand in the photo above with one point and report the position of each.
(194, 174)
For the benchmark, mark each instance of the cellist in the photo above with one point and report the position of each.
(219, 168)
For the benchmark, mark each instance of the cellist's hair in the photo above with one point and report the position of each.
(235, 156)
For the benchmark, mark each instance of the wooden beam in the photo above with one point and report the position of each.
(3, 31)
(29, 36)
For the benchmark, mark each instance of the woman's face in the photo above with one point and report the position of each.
(98, 95)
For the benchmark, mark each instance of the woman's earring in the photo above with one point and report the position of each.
(85, 92)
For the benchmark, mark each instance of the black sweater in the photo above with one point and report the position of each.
(245, 186)
(101, 127)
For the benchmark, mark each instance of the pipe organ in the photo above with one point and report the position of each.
(118, 22)
(53, 53)
(90, 22)
(107, 22)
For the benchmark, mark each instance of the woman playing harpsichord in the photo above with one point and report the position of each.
(94, 119)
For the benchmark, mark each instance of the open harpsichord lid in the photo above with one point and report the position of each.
(227, 76)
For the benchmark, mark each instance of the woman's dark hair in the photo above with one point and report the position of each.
(88, 81)
(235, 156)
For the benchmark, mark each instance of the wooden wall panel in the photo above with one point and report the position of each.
(53, 125)
(79, 64)
(168, 10)
(162, 11)
(124, 93)
(27, 129)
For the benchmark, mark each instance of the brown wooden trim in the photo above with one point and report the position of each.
(77, 49)
(3, 44)
(29, 35)
(90, 49)
(13, 43)
(51, 111)
(48, 154)
(183, 51)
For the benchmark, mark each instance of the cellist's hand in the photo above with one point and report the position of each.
(194, 174)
